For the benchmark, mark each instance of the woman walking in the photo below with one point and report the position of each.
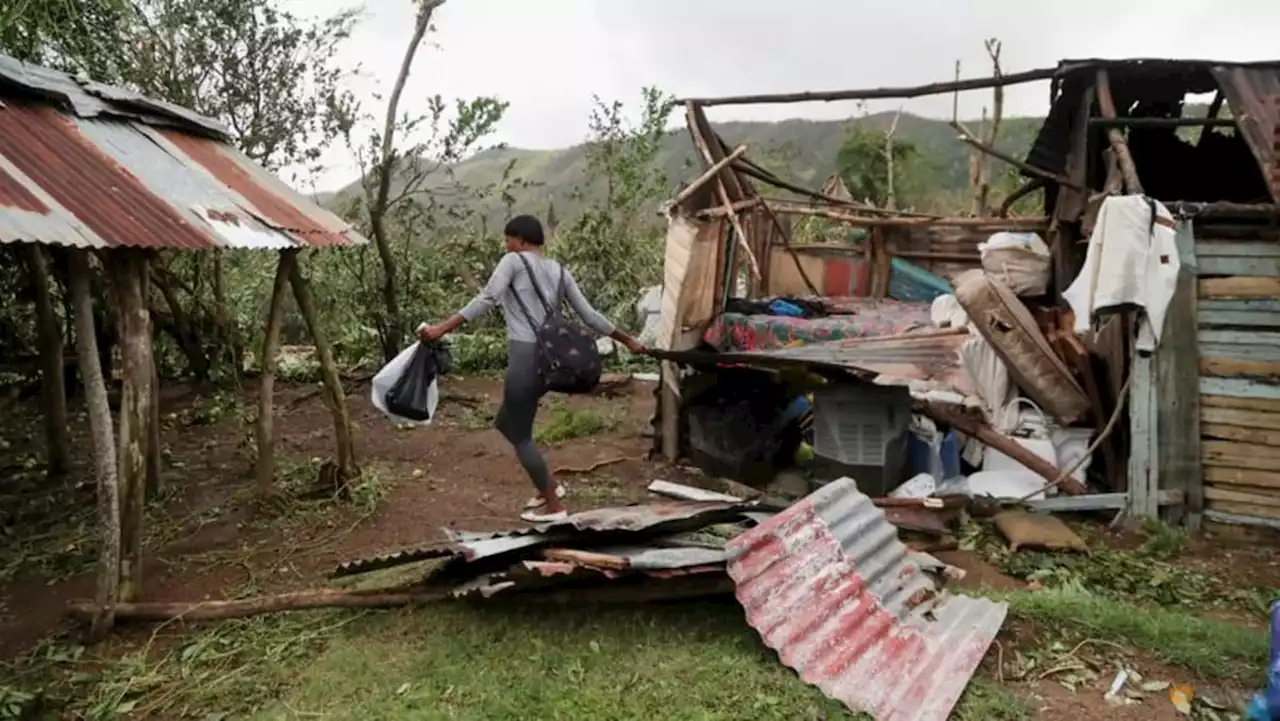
(526, 285)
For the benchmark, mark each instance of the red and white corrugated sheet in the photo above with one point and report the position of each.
(829, 586)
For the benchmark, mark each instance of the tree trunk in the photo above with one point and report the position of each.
(129, 276)
(102, 433)
(187, 335)
(265, 470)
(394, 328)
(335, 396)
(51, 364)
(230, 335)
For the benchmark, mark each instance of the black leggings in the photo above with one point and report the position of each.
(521, 392)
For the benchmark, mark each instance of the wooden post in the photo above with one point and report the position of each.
(102, 438)
(129, 277)
(52, 380)
(265, 470)
(1107, 105)
(1177, 378)
(335, 396)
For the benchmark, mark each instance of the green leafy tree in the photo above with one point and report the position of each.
(614, 246)
(863, 164)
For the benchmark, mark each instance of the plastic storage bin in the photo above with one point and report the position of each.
(861, 431)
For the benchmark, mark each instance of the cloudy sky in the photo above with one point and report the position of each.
(548, 57)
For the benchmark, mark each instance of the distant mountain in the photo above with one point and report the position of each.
(802, 151)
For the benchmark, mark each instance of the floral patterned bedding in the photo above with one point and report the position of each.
(859, 318)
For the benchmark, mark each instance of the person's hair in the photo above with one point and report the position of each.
(526, 228)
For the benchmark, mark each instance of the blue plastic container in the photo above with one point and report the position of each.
(918, 452)
(1266, 705)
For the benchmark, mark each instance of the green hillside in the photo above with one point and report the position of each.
(799, 150)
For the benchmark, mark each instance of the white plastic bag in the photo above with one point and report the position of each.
(1021, 260)
(386, 379)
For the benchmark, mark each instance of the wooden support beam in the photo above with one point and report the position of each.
(722, 191)
(1107, 105)
(862, 221)
(334, 395)
(706, 176)
(827, 96)
(52, 380)
(102, 444)
(265, 467)
(129, 280)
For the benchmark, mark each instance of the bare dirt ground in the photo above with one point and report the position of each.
(209, 540)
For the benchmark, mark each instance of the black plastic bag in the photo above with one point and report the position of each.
(408, 398)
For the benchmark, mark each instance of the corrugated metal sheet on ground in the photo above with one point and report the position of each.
(664, 515)
(828, 585)
(93, 173)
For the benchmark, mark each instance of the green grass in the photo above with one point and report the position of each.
(692, 661)
(1210, 648)
(566, 423)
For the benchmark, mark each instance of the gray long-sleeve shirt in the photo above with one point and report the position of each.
(510, 280)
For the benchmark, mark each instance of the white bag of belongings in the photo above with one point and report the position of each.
(1021, 260)
(1132, 260)
(945, 312)
(649, 310)
(387, 378)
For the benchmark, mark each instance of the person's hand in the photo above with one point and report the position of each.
(635, 346)
(429, 333)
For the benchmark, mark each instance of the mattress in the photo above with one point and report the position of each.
(855, 318)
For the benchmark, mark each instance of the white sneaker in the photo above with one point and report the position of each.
(539, 501)
(535, 517)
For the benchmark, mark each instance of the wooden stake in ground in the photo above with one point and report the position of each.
(102, 443)
(265, 468)
(58, 444)
(129, 278)
(335, 395)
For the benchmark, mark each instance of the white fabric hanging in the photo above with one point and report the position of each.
(1131, 260)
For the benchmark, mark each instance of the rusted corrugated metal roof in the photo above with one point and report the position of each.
(92, 172)
(88, 99)
(828, 585)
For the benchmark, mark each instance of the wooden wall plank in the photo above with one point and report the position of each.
(1258, 266)
(1241, 287)
(1245, 509)
(1238, 387)
(1264, 371)
(1238, 351)
(1220, 475)
(1247, 404)
(1259, 496)
(1213, 248)
(1237, 317)
(1239, 416)
(1240, 337)
(1243, 434)
(1233, 454)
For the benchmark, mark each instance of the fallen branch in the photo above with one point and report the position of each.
(594, 466)
(84, 610)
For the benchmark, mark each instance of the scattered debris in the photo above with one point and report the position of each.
(689, 493)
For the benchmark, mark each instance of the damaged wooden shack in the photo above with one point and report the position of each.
(97, 181)
(1156, 395)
